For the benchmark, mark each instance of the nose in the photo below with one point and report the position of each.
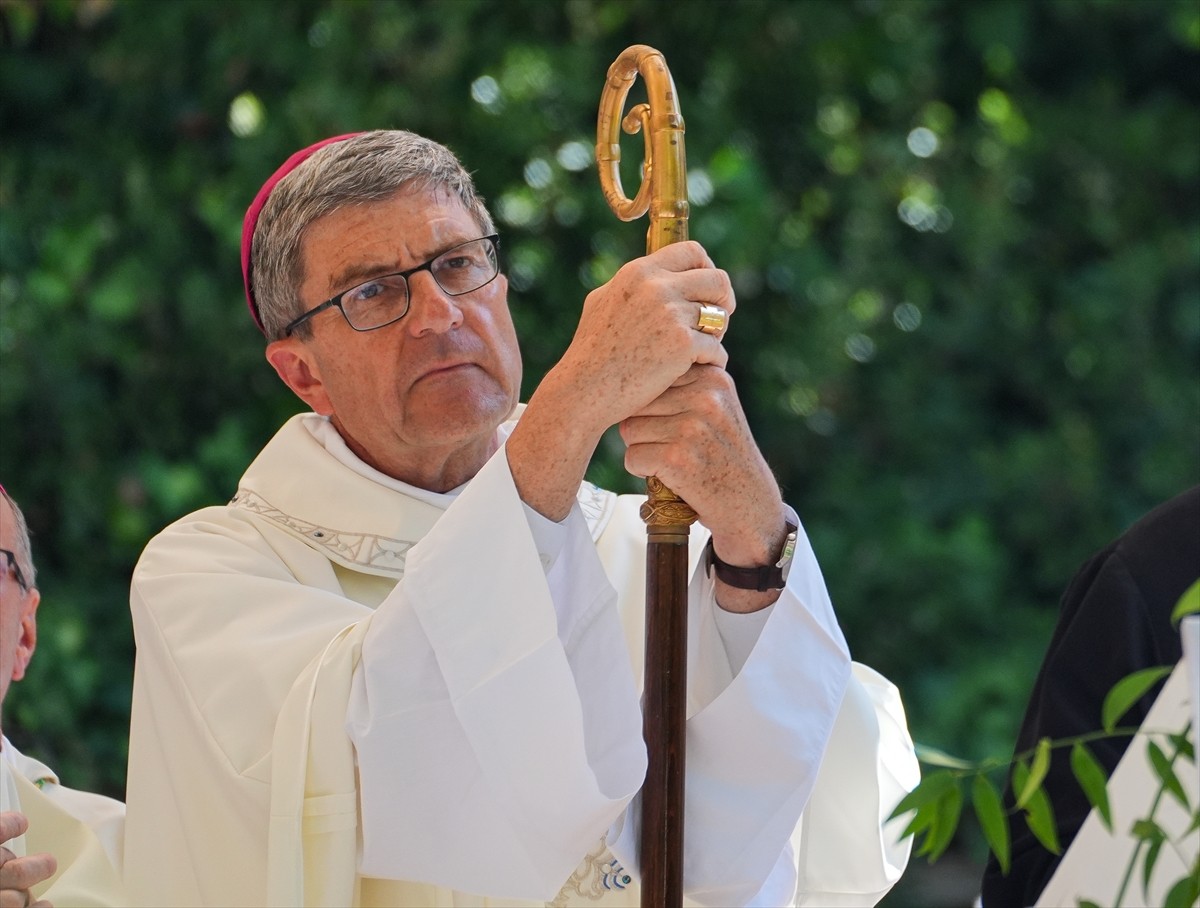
(430, 309)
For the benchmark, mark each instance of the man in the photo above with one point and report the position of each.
(58, 845)
(399, 668)
(1114, 619)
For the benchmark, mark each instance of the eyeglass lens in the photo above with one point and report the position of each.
(460, 270)
(11, 567)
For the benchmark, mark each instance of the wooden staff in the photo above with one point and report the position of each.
(663, 192)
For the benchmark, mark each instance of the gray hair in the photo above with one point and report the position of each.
(24, 552)
(369, 167)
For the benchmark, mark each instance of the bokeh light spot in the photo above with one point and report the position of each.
(245, 115)
(923, 142)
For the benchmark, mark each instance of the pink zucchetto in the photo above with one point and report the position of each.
(256, 207)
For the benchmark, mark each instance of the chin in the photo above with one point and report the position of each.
(464, 417)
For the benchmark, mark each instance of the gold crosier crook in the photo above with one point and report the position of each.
(663, 192)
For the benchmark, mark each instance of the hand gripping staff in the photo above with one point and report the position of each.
(663, 192)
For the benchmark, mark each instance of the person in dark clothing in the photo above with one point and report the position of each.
(1115, 618)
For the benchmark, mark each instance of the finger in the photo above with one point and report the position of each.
(705, 389)
(660, 459)
(683, 256)
(688, 275)
(660, 420)
(12, 824)
(26, 872)
(709, 286)
(708, 351)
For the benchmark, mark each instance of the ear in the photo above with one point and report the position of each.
(297, 366)
(27, 635)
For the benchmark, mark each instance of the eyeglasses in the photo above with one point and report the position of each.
(16, 571)
(383, 300)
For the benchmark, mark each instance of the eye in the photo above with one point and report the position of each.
(376, 291)
(376, 302)
(460, 261)
(363, 292)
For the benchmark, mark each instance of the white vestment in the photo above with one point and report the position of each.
(1097, 861)
(84, 831)
(350, 691)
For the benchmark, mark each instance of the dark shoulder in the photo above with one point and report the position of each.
(1161, 551)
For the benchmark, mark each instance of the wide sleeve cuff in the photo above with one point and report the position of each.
(848, 852)
(467, 712)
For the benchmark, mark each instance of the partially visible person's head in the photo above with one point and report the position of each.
(19, 596)
(362, 168)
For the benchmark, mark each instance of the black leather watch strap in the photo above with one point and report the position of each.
(766, 577)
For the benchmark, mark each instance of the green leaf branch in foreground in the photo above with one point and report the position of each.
(933, 800)
(936, 802)
(989, 810)
(1188, 604)
(1031, 777)
(1127, 692)
(1093, 780)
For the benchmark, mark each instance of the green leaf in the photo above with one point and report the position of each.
(924, 817)
(1087, 903)
(1127, 692)
(1039, 816)
(1093, 780)
(1166, 774)
(1185, 893)
(1148, 863)
(1147, 830)
(1182, 741)
(1037, 772)
(949, 809)
(1188, 604)
(935, 757)
(928, 791)
(986, 801)
(1020, 774)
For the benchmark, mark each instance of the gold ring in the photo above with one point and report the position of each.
(712, 320)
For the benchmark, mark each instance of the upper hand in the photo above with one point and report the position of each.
(637, 333)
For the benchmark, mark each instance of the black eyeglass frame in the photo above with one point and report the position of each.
(336, 300)
(11, 556)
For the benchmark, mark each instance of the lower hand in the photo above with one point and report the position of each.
(18, 875)
(695, 438)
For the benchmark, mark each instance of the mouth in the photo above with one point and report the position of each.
(446, 370)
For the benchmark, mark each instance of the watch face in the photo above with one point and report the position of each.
(763, 578)
(789, 549)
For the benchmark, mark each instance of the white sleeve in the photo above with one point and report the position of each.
(849, 854)
(739, 633)
(481, 706)
(756, 743)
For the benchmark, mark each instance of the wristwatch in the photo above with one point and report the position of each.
(768, 576)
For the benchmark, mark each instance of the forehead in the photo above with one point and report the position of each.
(413, 220)
(8, 526)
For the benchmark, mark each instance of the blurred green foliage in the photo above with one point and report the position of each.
(965, 238)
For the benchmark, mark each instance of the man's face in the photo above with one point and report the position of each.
(18, 609)
(423, 393)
